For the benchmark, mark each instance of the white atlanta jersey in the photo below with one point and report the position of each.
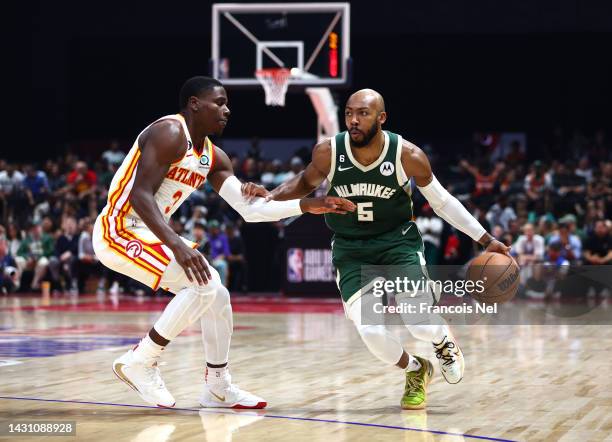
(120, 236)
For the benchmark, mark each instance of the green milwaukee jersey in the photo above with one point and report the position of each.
(381, 190)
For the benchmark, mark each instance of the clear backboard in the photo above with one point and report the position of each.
(311, 40)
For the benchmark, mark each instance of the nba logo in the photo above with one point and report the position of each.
(295, 265)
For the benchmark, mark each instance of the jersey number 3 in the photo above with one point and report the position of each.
(365, 211)
(177, 196)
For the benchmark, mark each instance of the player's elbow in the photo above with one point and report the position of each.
(247, 213)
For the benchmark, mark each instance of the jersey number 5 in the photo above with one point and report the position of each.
(177, 196)
(365, 211)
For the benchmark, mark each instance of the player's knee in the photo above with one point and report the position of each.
(204, 291)
(223, 295)
(225, 308)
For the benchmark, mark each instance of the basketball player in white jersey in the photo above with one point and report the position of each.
(169, 160)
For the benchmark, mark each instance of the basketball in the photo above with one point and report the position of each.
(499, 274)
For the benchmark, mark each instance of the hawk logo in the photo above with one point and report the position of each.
(133, 249)
(387, 168)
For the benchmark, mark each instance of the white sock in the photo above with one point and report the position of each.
(218, 376)
(147, 349)
(413, 364)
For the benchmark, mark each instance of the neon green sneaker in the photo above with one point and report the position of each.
(415, 395)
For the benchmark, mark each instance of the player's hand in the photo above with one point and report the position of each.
(252, 190)
(193, 263)
(498, 247)
(327, 204)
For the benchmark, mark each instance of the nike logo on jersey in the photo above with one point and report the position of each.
(341, 169)
(404, 231)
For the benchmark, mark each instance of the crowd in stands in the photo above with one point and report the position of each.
(551, 203)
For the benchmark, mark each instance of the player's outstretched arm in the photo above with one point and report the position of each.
(161, 145)
(257, 209)
(446, 206)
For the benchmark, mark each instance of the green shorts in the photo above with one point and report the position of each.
(353, 258)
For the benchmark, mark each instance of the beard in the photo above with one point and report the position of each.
(367, 137)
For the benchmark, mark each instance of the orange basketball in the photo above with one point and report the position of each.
(499, 276)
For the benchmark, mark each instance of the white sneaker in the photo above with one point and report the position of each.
(450, 359)
(229, 397)
(143, 377)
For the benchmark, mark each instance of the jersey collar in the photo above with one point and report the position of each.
(358, 165)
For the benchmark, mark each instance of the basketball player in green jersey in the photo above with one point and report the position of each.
(372, 168)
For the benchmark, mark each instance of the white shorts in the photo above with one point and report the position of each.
(135, 251)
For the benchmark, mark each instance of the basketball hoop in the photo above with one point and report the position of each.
(275, 82)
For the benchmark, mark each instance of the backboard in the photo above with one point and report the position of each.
(310, 39)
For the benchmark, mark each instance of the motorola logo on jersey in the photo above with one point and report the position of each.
(133, 249)
(387, 168)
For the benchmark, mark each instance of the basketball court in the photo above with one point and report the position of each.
(522, 382)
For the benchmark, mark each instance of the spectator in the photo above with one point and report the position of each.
(36, 249)
(81, 180)
(35, 183)
(14, 238)
(237, 263)
(555, 255)
(10, 178)
(198, 235)
(509, 183)
(431, 228)
(113, 156)
(570, 189)
(9, 273)
(15, 202)
(219, 250)
(56, 179)
(88, 263)
(537, 182)
(570, 245)
(529, 247)
(501, 213)
(485, 179)
(598, 246)
(63, 263)
(584, 170)
(295, 166)
(198, 216)
(268, 178)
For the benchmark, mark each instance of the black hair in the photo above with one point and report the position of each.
(194, 87)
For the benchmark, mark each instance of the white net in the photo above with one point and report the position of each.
(275, 82)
